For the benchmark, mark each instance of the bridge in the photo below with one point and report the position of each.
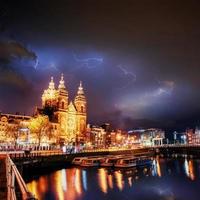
(171, 149)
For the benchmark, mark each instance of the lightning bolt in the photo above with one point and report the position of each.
(51, 66)
(36, 63)
(130, 76)
(88, 62)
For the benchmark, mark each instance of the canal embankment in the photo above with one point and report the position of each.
(35, 164)
(178, 151)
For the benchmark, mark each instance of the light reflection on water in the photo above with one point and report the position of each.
(102, 179)
(189, 169)
(119, 180)
(161, 181)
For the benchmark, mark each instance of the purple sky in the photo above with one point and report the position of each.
(138, 60)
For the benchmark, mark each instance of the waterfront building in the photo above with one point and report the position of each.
(118, 138)
(193, 137)
(13, 128)
(147, 137)
(112, 138)
(180, 138)
(95, 137)
(134, 139)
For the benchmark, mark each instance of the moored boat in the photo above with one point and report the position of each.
(92, 162)
(78, 160)
(111, 160)
(133, 162)
(126, 162)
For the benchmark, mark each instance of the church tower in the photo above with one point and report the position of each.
(62, 95)
(81, 106)
(62, 107)
(49, 97)
(72, 123)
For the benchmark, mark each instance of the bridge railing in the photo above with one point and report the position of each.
(22, 154)
(176, 145)
(13, 176)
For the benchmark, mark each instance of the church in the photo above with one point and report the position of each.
(68, 118)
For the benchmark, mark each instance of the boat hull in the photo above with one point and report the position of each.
(89, 165)
(107, 165)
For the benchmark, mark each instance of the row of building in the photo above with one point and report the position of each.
(66, 123)
(102, 137)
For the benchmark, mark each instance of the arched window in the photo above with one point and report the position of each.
(82, 109)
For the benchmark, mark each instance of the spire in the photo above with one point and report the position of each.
(51, 84)
(80, 89)
(49, 94)
(61, 83)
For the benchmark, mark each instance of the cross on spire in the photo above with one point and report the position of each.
(51, 84)
(62, 82)
(80, 89)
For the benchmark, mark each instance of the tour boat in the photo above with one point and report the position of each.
(133, 162)
(110, 161)
(126, 162)
(78, 160)
(92, 162)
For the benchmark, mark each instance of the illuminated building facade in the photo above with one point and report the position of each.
(117, 138)
(69, 118)
(193, 137)
(147, 137)
(13, 128)
(95, 137)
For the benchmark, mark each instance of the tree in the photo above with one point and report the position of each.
(39, 126)
(12, 131)
(50, 134)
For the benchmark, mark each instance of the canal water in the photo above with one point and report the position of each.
(166, 179)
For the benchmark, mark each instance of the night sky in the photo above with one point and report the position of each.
(139, 60)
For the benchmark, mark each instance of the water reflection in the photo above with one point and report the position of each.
(64, 181)
(189, 169)
(85, 184)
(110, 181)
(39, 187)
(130, 181)
(119, 179)
(58, 185)
(78, 184)
(33, 187)
(84, 178)
(102, 177)
(156, 170)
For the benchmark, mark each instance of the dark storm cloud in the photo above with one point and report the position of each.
(17, 62)
(137, 59)
(13, 58)
(12, 52)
